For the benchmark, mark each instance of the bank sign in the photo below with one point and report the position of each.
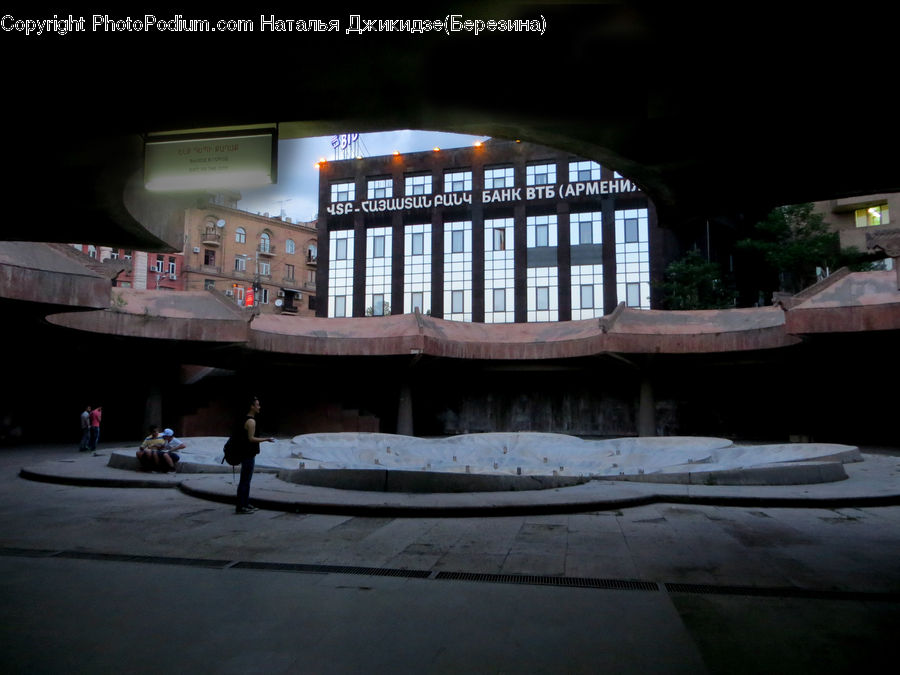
(565, 191)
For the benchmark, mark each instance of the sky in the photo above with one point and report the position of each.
(297, 191)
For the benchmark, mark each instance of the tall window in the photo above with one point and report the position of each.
(587, 291)
(240, 263)
(458, 271)
(378, 271)
(288, 272)
(418, 185)
(542, 276)
(290, 247)
(633, 258)
(540, 174)
(499, 271)
(457, 181)
(583, 170)
(417, 268)
(542, 294)
(240, 235)
(265, 242)
(209, 257)
(340, 273)
(380, 188)
(500, 177)
(343, 192)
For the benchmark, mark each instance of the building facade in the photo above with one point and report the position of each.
(501, 232)
(864, 222)
(253, 259)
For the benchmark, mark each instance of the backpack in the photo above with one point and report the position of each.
(234, 451)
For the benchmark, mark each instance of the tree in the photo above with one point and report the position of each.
(794, 243)
(692, 282)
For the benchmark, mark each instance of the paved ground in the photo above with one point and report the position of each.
(96, 579)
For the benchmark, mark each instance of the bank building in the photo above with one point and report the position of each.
(500, 232)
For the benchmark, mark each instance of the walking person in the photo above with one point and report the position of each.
(95, 416)
(251, 450)
(85, 430)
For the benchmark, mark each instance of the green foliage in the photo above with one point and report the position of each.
(793, 241)
(692, 282)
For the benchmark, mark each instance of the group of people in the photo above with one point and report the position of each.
(157, 452)
(90, 428)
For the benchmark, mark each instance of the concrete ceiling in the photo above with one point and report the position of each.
(715, 112)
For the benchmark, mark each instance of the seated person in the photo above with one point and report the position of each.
(146, 453)
(166, 456)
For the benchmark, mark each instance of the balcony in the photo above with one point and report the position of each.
(310, 259)
(211, 238)
(266, 249)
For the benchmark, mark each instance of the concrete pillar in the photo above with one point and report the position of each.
(404, 411)
(153, 407)
(646, 421)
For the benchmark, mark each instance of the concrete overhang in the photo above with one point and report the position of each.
(684, 110)
(45, 276)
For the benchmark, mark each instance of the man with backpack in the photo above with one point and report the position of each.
(250, 442)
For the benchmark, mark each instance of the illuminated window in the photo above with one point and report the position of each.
(874, 215)
(343, 192)
(458, 181)
(583, 170)
(418, 185)
(240, 235)
(381, 188)
(540, 174)
(498, 178)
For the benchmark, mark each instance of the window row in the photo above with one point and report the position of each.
(460, 180)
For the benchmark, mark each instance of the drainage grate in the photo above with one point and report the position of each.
(543, 580)
(333, 569)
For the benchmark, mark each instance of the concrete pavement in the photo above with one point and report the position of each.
(88, 573)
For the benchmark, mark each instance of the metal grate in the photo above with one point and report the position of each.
(544, 580)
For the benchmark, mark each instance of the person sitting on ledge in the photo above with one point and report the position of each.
(166, 456)
(146, 453)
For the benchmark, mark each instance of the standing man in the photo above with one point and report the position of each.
(249, 462)
(95, 416)
(85, 430)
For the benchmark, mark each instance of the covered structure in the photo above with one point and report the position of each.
(717, 114)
